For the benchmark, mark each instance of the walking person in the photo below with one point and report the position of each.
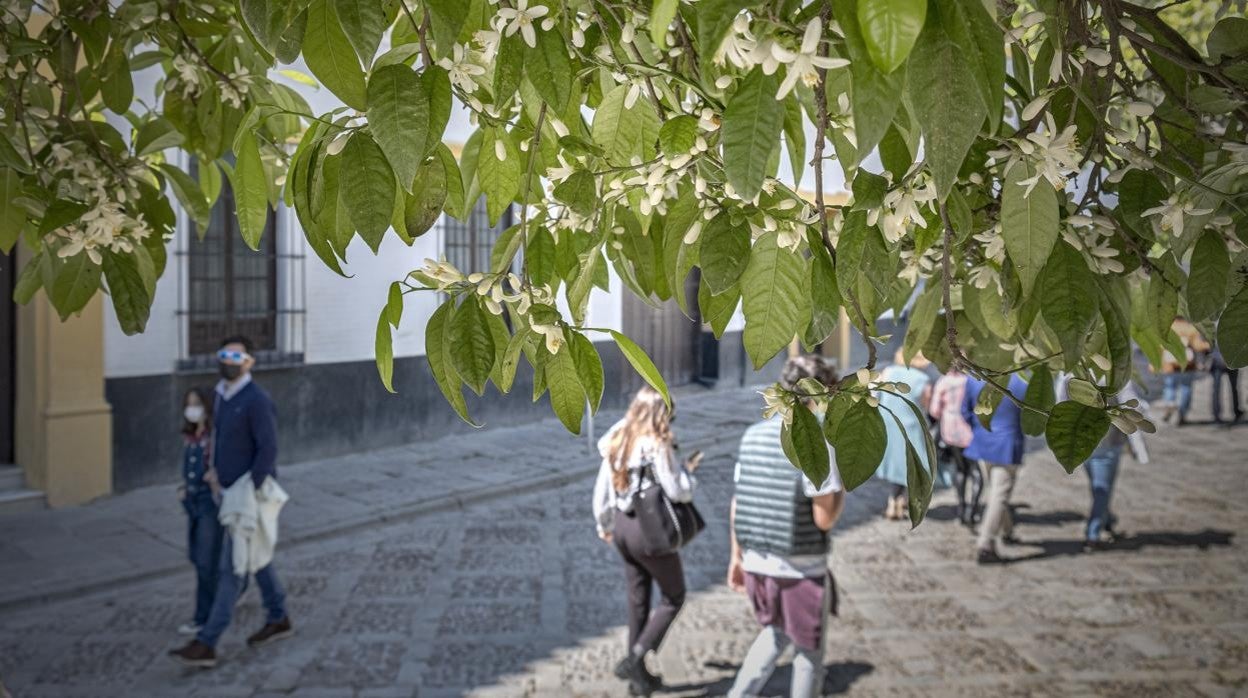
(1102, 470)
(999, 452)
(946, 408)
(244, 453)
(639, 452)
(199, 499)
(893, 466)
(779, 523)
(1180, 372)
(1218, 369)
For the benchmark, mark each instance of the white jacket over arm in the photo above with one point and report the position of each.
(677, 482)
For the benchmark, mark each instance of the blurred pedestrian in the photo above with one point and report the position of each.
(1219, 369)
(199, 499)
(638, 453)
(1000, 453)
(779, 523)
(913, 426)
(946, 408)
(1179, 372)
(244, 456)
(1102, 469)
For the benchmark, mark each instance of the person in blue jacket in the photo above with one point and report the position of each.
(244, 444)
(999, 451)
(203, 531)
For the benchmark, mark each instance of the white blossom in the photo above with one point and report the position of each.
(1055, 154)
(461, 68)
(804, 64)
(521, 19)
(1172, 212)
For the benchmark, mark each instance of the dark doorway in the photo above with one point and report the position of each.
(8, 351)
(673, 341)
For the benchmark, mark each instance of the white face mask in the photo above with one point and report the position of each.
(194, 414)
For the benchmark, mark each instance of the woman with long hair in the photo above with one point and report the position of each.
(637, 453)
(199, 499)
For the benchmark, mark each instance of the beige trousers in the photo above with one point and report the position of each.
(997, 520)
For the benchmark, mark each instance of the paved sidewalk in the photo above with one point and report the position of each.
(59, 554)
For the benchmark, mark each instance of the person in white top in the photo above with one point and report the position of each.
(636, 453)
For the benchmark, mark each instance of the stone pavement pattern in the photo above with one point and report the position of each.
(516, 597)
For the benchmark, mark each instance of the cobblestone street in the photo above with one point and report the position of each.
(515, 596)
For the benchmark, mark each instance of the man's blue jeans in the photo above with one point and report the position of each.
(1177, 389)
(230, 585)
(1102, 470)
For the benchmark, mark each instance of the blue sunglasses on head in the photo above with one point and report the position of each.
(235, 356)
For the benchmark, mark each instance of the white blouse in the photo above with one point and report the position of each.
(677, 482)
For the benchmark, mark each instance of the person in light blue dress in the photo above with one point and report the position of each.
(893, 466)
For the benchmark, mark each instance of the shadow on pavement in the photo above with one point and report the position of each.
(1202, 540)
(837, 679)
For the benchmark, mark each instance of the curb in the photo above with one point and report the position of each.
(449, 502)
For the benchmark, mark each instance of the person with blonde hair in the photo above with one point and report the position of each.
(639, 452)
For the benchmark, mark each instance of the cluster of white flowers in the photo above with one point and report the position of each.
(235, 89)
(741, 49)
(777, 402)
(1054, 153)
(522, 18)
(106, 224)
(1169, 216)
(493, 290)
(903, 206)
(987, 274)
(915, 266)
(1091, 235)
(463, 68)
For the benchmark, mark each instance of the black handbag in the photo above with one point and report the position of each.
(666, 526)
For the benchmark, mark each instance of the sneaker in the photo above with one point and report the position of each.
(271, 632)
(189, 628)
(988, 556)
(195, 654)
(640, 681)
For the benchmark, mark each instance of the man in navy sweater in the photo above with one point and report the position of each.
(244, 444)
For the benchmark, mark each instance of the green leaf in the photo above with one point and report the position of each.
(1211, 271)
(869, 190)
(74, 281)
(579, 291)
(436, 83)
(331, 57)
(1028, 223)
(662, 12)
(1073, 432)
(981, 41)
(876, 94)
(1233, 330)
(448, 18)
(541, 255)
(723, 252)
(923, 318)
(424, 205)
(117, 82)
(12, 216)
(678, 135)
(809, 453)
(299, 185)
(625, 132)
(714, 19)
(550, 70)
(825, 295)
(155, 136)
(437, 344)
(986, 405)
(919, 482)
(398, 118)
(753, 120)
(588, 368)
(363, 21)
(717, 310)
(1070, 300)
(947, 102)
(368, 188)
(567, 397)
(890, 29)
(642, 364)
(473, 344)
(500, 179)
(393, 312)
(580, 192)
(251, 187)
(505, 374)
(456, 204)
(772, 292)
(132, 298)
(508, 67)
(1039, 394)
(29, 281)
(383, 348)
(189, 195)
(859, 437)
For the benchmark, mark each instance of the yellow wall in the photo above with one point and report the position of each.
(63, 423)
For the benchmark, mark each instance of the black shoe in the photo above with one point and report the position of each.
(988, 556)
(640, 681)
(1094, 546)
(1011, 540)
(271, 632)
(195, 654)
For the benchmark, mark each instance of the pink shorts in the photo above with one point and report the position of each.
(795, 606)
